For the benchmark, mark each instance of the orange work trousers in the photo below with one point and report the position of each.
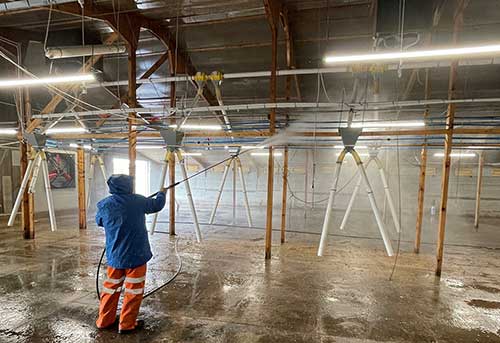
(134, 279)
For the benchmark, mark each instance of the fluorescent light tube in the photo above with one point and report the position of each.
(483, 147)
(47, 80)
(192, 154)
(85, 146)
(66, 130)
(277, 153)
(150, 147)
(456, 154)
(412, 55)
(368, 124)
(248, 147)
(8, 131)
(196, 127)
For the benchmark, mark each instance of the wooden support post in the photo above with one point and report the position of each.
(480, 170)
(28, 202)
(171, 161)
(284, 195)
(82, 205)
(423, 170)
(448, 143)
(132, 102)
(171, 177)
(272, 128)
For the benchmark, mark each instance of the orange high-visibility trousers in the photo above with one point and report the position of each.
(134, 279)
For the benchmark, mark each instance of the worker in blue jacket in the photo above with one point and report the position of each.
(122, 214)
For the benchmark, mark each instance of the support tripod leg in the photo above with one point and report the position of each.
(91, 178)
(373, 203)
(388, 195)
(245, 195)
(162, 184)
(103, 168)
(48, 192)
(219, 193)
(351, 201)
(22, 189)
(329, 207)
(190, 197)
(34, 175)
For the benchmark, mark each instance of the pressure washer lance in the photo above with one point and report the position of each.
(179, 267)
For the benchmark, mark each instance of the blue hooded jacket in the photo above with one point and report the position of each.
(122, 214)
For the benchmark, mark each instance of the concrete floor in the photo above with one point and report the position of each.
(227, 293)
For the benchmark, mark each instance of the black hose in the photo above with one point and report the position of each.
(172, 278)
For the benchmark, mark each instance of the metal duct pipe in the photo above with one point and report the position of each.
(86, 50)
(262, 106)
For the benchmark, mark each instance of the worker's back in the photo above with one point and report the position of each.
(122, 215)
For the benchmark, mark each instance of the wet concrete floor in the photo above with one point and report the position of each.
(226, 292)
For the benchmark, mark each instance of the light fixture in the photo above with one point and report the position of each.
(248, 147)
(375, 124)
(149, 147)
(413, 55)
(456, 154)
(192, 154)
(276, 154)
(357, 147)
(483, 147)
(47, 80)
(85, 146)
(66, 130)
(8, 131)
(196, 127)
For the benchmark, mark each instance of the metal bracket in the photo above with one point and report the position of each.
(36, 140)
(350, 136)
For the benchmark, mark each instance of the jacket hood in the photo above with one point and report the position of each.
(120, 184)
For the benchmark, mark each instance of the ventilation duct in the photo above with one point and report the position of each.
(86, 50)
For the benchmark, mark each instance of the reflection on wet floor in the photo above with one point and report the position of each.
(226, 292)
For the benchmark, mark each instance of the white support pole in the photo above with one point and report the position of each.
(388, 195)
(219, 193)
(245, 195)
(36, 171)
(351, 201)
(90, 178)
(234, 193)
(48, 192)
(190, 197)
(22, 189)
(329, 207)
(162, 184)
(373, 203)
(480, 170)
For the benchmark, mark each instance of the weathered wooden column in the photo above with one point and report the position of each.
(28, 202)
(480, 171)
(132, 103)
(284, 195)
(171, 162)
(272, 10)
(423, 170)
(448, 142)
(82, 203)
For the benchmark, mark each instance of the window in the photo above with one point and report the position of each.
(120, 166)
